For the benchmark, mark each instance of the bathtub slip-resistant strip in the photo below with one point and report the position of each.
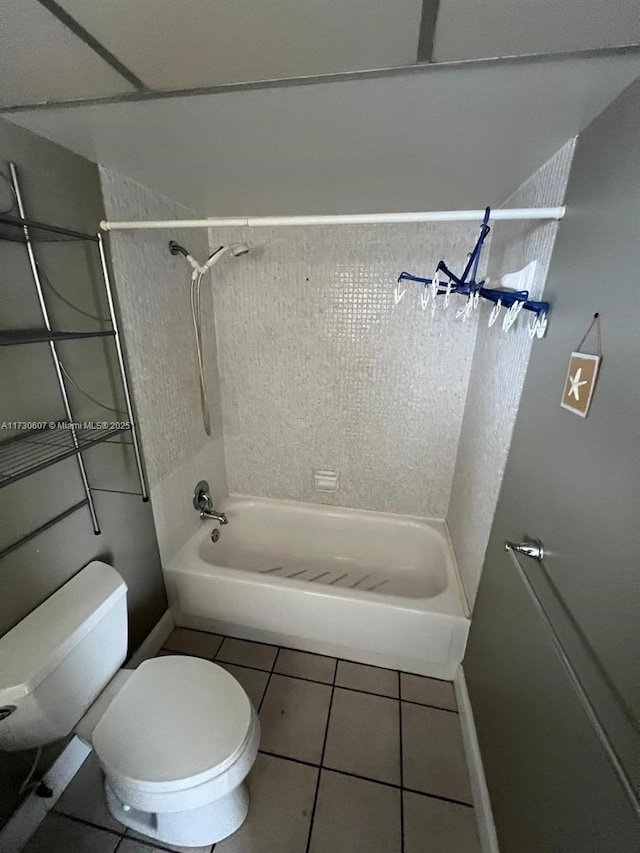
(299, 574)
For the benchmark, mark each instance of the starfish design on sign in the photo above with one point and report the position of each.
(576, 384)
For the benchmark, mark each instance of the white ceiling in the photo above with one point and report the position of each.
(515, 28)
(191, 43)
(182, 44)
(176, 44)
(442, 137)
(40, 59)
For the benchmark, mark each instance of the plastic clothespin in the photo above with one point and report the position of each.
(511, 316)
(539, 326)
(397, 295)
(465, 311)
(447, 293)
(495, 312)
(435, 285)
(543, 322)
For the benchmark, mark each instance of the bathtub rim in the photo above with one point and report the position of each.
(187, 558)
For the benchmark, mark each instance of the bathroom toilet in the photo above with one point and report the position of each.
(175, 737)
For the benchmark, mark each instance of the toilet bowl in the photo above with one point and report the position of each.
(175, 745)
(175, 738)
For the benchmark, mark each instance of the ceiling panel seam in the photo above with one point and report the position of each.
(419, 68)
(84, 35)
(430, 9)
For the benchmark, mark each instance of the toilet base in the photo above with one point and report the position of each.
(193, 828)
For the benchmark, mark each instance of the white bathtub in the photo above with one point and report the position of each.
(364, 586)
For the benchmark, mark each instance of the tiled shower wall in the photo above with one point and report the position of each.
(153, 294)
(319, 369)
(497, 375)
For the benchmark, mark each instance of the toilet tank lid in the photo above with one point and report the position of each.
(36, 645)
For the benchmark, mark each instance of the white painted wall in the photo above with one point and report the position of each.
(471, 29)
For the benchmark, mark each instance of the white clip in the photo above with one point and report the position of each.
(476, 298)
(435, 284)
(539, 326)
(397, 296)
(543, 322)
(447, 294)
(495, 311)
(465, 311)
(424, 298)
(511, 316)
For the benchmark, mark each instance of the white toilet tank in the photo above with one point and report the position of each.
(57, 660)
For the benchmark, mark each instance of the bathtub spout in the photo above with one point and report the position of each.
(220, 517)
(203, 503)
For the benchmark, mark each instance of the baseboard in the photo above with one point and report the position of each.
(479, 790)
(153, 642)
(26, 819)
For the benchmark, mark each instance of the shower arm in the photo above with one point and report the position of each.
(177, 249)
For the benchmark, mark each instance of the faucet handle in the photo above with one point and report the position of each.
(201, 496)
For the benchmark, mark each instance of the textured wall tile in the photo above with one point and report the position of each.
(175, 518)
(497, 376)
(319, 369)
(153, 294)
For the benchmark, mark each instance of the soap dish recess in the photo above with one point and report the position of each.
(326, 481)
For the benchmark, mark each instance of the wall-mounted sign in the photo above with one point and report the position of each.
(582, 375)
(581, 380)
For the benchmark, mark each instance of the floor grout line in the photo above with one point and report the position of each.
(266, 687)
(401, 766)
(88, 823)
(154, 844)
(324, 747)
(316, 654)
(326, 683)
(158, 844)
(427, 705)
(366, 778)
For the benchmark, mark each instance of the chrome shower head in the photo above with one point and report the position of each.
(236, 250)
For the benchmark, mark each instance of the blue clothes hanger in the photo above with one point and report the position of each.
(467, 285)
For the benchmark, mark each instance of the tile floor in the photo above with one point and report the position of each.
(353, 759)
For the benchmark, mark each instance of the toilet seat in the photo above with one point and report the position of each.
(177, 723)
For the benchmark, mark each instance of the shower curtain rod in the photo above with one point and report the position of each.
(513, 214)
